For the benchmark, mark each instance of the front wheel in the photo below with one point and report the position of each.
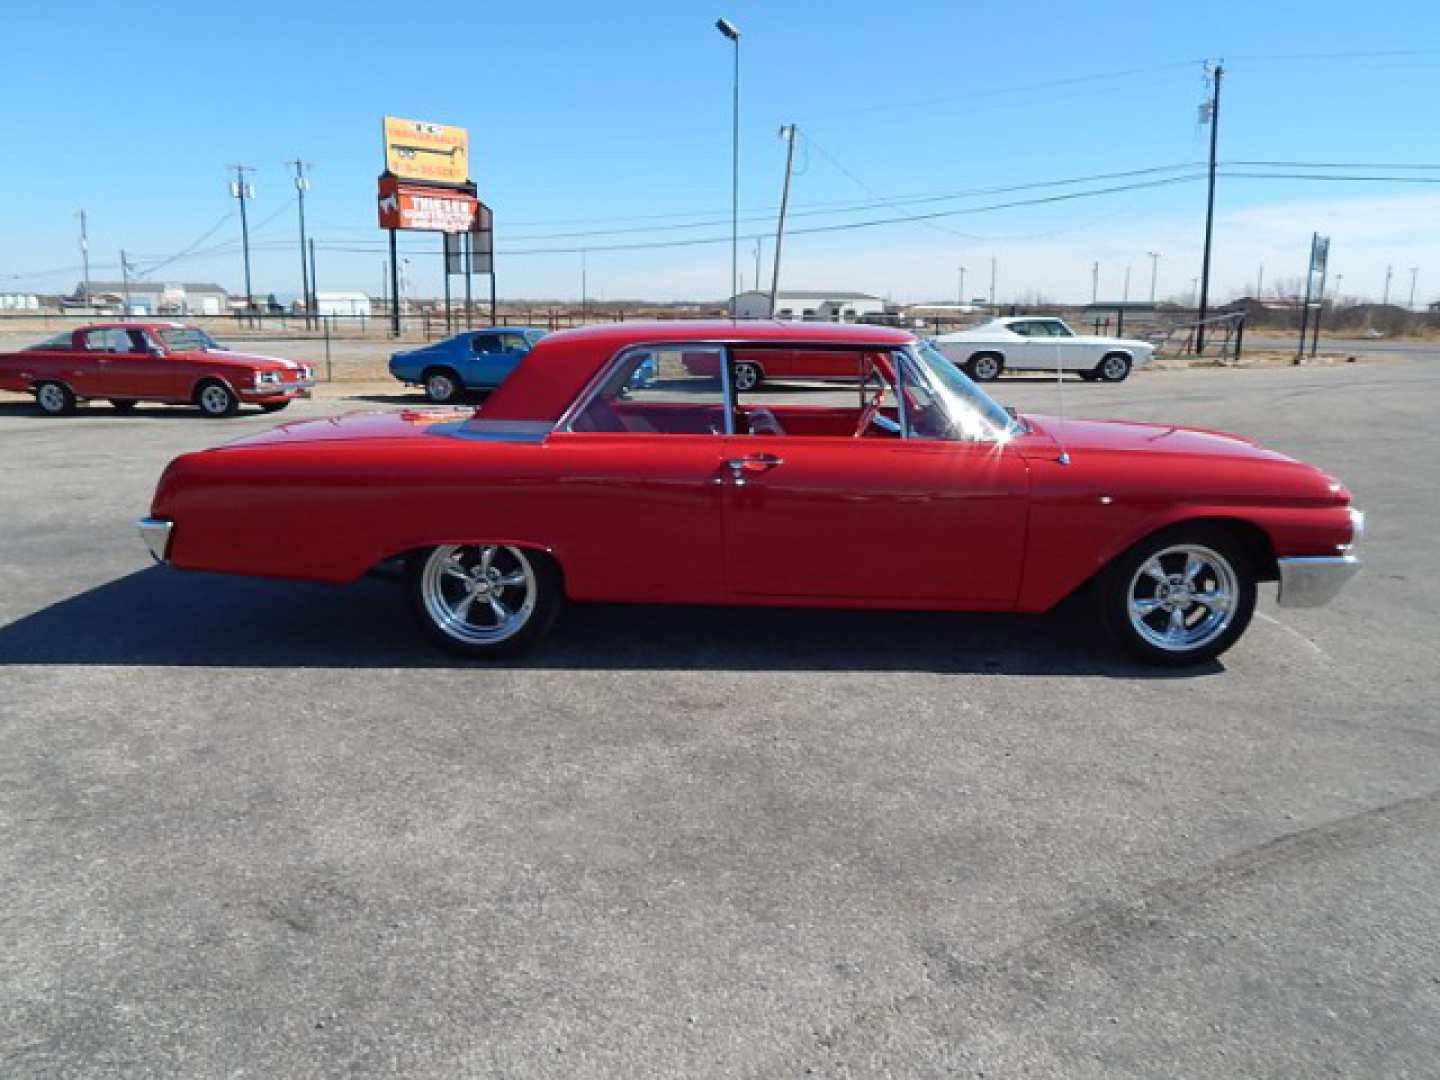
(1113, 368)
(484, 600)
(216, 400)
(1180, 597)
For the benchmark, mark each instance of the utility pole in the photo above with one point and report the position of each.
(731, 32)
(314, 284)
(302, 185)
(758, 242)
(240, 189)
(125, 278)
(992, 286)
(1154, 273)
(1260, 283)
(1095, 281)
(583, 285)
(1125, 296)
(1338, 279)
(1217, 75)
(1389, 270)
(787, 132)
(962, 287)
(1414, 273)
(85, 256)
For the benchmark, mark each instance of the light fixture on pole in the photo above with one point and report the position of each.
(244, 191)
(302, 185)
(726, 27)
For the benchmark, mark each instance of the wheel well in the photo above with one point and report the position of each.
(400, 560)
(1255, 540)
(440, 369)
(988, 352)
(1118, 352)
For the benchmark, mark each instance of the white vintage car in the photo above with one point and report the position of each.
(1027, 343)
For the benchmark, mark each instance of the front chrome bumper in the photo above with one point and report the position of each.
(156, 534)
(1313, 580)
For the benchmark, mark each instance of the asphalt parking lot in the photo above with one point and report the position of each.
(259, 829)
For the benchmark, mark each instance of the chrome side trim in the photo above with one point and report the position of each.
(1310, 581)
(156, 534)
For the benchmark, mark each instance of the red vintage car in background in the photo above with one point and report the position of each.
(752, 367)
(126, 363)
(606, 468)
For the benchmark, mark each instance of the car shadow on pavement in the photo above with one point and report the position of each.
(164, 617)
(100, 411)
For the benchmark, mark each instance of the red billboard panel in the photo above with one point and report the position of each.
(430, 209)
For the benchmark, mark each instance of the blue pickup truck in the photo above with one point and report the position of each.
(469, 360)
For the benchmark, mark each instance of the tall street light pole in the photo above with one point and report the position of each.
(1414, 273)
(1154, 273)
(302, 185)
(726, 27)
(788, 133)
(1389, 270)
(244, 191)
(1216, 76)
(85, 255)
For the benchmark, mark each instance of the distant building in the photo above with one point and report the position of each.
(153, 297)
(342, 304)
(19, 302)
(798, 306)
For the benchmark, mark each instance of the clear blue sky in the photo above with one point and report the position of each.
(582, 115)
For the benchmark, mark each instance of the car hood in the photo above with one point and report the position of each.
(1049, 432)
(370, 425)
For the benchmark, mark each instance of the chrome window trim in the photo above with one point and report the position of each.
(604, 371)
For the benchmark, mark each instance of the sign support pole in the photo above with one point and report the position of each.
(465, 260)
(492, 291)
(1305, 309)
(394, 288)
(445, 270)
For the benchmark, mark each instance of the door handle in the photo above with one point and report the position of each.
(753, 463)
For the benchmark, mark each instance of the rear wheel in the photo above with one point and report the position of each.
(1182, 596)
(1115, 367)
(442, 385)
(485, 600)
(984, 367)
(216, 400)
(273, 406)
(122, 405)
(54, 398)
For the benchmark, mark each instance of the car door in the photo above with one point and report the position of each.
(136, 369)
(1026, 348)
(102, 368)
(875, 519)
(637, 475)
(493, 356)
(1056, 348)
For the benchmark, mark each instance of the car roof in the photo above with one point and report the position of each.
(558, 367)
(132, 324)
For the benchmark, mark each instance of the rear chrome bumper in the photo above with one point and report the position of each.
(156, 534)
(1309, 581)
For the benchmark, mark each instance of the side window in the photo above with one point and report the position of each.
(664, 390)
(513, 343)
(138, 342)
(111, 339)
(484, 343)
(1059, 329)
(1024, 329)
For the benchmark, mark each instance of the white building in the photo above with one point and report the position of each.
(342, 304)
(153, 297)
(796, 306)
(19, 302)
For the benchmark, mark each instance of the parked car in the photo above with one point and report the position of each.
(752, 367)
(1035, 344)
(469, 360)
(167, 362)
(576, 481)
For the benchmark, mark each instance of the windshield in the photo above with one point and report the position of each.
(972, 413)
(187, 339)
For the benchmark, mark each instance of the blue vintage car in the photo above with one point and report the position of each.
(469, 360)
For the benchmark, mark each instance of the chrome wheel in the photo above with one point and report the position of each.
(985, 368)
(1183, 597)
(747, 376)
(215, 400)
(51, 398)
(1114, 368)
(478, 594)
(440, 387)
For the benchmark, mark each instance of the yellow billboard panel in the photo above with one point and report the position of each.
(437, 153)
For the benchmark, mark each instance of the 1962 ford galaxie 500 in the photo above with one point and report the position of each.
(579, 480)
(168, 362)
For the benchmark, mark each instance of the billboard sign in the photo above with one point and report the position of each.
(430, 209)
(427, 153)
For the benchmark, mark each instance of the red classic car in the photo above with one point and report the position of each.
(167, 362)
(606, 469)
